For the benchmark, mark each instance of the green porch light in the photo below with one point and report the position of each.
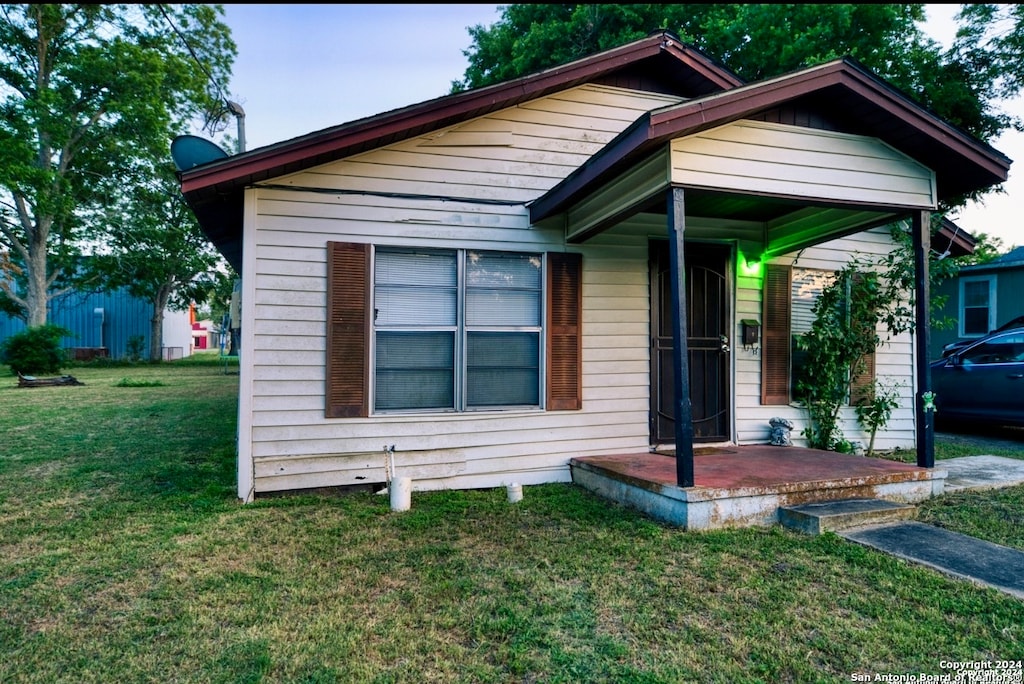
(750, 268)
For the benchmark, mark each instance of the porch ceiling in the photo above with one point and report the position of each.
(788, 224)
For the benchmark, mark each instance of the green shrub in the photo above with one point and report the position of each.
(136, 345)
(128, 382)
(35, 350)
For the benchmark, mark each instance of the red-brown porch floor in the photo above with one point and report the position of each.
(754, 465)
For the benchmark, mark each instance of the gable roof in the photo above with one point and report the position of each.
(1014, 259)
(842, 91)
(659, 63)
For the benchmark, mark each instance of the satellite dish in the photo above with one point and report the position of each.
(189, 151)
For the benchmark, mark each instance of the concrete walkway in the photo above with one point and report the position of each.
(949, 552)
(981, 472)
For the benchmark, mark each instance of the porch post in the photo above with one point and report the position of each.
(921, 231)
(680, 352)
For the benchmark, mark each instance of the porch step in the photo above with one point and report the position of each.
(844, 514)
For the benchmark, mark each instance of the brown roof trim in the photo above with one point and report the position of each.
(215, 191)
(341, 141)
(952, 237)
(659, 126)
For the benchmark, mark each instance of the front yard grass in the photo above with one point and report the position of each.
(125, 557)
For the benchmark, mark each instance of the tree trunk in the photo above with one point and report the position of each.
(156, 334)
(35, 302)
(871, 443)
(156, 323)
(37, 295)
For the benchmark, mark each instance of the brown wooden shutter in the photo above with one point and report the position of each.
(862, 384)
(776, 335)
(348, 328)
(565, 332)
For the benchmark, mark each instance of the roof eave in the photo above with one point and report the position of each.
(340, 141)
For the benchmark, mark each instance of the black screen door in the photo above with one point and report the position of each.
(707, 339)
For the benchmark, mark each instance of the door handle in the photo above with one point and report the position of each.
(725, 344)
(1015, 376)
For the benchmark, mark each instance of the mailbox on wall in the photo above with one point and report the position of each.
(751, 333)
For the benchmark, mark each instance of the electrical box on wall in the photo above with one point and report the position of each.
(751, 333)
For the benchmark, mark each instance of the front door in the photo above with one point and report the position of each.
(708, 341)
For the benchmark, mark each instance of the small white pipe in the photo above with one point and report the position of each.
(400, 490)
(515, 492)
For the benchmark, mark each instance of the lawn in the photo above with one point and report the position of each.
(125, 557)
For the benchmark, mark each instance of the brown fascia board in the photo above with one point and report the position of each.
(371, 132)
(215, 191)
(657, 127)
(954, 238)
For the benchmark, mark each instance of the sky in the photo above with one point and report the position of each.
(302, 68)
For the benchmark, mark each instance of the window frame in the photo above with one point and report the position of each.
(777, 341)
(819, 279)
(990, 305)
(462, 330)
(348, 321)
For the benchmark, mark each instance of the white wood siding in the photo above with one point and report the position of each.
(531, 148)
(775, 159)
(893, 361)
(465, 187)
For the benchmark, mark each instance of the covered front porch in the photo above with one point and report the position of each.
(736, 486)
(773, 172)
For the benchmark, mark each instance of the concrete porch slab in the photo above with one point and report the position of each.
(741, 486)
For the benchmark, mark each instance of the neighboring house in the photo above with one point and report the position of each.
(103, 323)
(486, 284)
(980, 299)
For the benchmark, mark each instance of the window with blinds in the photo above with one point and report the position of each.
(807, 286)
(456, 329)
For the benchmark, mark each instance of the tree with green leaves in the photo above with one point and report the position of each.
(987, 247)
(155, 250)
(990, 38)
(86, 92)
(863, 307)
(756, 41)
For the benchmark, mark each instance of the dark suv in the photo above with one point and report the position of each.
(1017, 322)
(982, 382)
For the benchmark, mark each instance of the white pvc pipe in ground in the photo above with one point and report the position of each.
(401, 493)
(515, 492)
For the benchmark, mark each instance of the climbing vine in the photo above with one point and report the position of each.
(844, 332)
(864, 297)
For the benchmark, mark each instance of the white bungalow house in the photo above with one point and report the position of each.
(607, 257)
